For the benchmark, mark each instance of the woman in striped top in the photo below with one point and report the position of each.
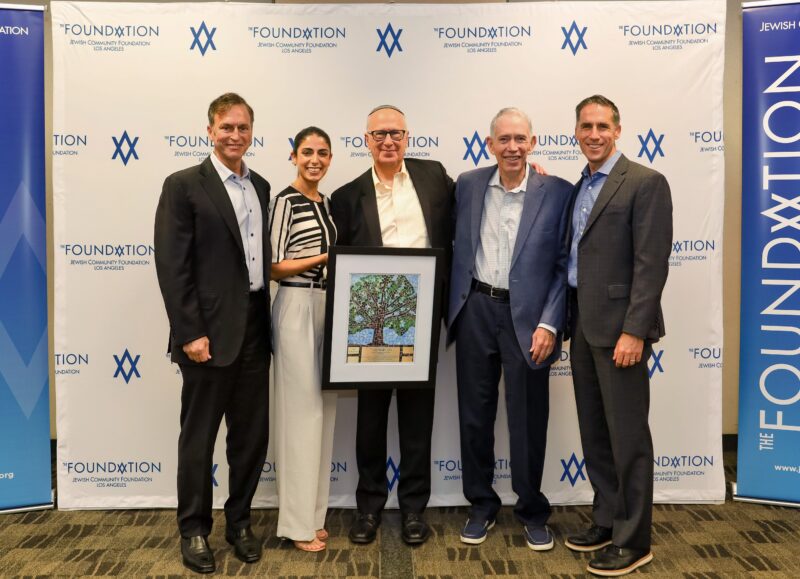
(301, 232)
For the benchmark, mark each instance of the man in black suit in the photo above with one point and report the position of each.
(212, 260)
(620, 240)
(399, 202)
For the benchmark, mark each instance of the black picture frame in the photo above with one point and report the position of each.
(342, 365)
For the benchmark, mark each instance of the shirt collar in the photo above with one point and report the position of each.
(377, 180)
(495, 181)
(605, 169)
(225, 173)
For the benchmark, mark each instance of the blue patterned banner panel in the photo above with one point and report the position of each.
(769, 381)
(24, 406)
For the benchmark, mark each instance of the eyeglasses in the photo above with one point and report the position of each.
(395, 135)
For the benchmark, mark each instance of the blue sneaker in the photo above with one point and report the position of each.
(475, 531)
(539, 537)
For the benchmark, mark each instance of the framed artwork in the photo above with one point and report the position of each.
(382, 318)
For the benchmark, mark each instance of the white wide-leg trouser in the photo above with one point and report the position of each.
(304, 415)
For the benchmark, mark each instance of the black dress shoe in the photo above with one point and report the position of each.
(614, 561)
(590, 539)
(245, 544)
(197, 555)
(415, 530)
(365, 528)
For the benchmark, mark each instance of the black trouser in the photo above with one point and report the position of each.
(613, 405)
(240, 393)
(485, 345)
(415, 427)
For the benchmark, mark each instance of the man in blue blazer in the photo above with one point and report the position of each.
(507, 312)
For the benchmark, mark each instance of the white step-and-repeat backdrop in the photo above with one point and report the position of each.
(132, 83)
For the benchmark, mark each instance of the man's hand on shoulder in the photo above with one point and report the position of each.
(537, 168)
(198, 350)
(628, 350)
(542, 343)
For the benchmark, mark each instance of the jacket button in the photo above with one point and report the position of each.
(463, 296)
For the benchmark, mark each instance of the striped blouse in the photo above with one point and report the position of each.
(300, 228)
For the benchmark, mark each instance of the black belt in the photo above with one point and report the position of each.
(496, 293)
(312, 284)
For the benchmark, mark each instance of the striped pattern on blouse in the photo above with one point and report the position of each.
(300, 228)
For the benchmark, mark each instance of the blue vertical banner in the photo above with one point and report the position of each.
(769, 386)
(25, 474)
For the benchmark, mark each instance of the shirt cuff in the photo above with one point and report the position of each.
(548, 327)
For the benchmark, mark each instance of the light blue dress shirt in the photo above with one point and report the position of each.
(502, 213)
(591, 186)
(248, 215)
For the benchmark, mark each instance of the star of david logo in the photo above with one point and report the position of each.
(126, 358)
(656, 365)
(209, 38)
(471, 152)
(213, 475)
(569, 465)
(125, 141)
(389, 34)
(651, 145)
(291, 147)
(578, 42)
(392, 474)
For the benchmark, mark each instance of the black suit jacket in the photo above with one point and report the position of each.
(200, 262)
(354, 208)
(623, 256)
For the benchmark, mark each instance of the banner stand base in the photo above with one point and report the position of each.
(44, 507)
(761, 501)
(26, 508)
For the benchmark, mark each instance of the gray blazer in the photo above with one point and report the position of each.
(623, 256)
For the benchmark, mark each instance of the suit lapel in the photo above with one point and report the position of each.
(369, 206)
(610, 188)
(209, 179)
(422, 188)
(477, 196)
(534, 195)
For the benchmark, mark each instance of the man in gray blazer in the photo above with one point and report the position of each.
(507, 311)
(620, 240)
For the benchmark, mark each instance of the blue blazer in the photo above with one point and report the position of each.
(538, 275)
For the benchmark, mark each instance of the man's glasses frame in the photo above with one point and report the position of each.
(380, 135)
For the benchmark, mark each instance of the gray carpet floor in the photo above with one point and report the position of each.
(690, 541)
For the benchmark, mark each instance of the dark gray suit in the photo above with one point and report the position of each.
(623, 260)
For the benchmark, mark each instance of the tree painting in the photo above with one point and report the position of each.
(382, 301)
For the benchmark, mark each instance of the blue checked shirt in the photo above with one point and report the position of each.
(584, 203)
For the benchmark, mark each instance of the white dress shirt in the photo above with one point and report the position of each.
(399, 212)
